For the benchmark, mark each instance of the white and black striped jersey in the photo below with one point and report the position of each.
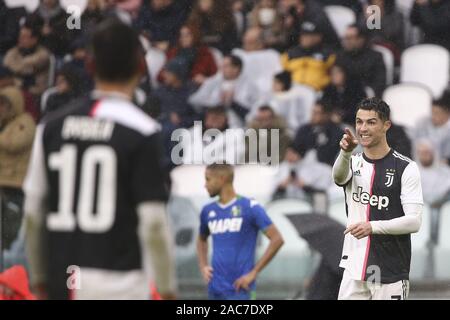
(94, 162)
(376, 191)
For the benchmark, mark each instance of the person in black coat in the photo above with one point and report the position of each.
(433, 17)
(51, 19)
(161, 20)
(361, 61)
(398, 140)
(308, 10)
(344, 93)
(9, 27)
(320, 134)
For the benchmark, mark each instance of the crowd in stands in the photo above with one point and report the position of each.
(274, 64)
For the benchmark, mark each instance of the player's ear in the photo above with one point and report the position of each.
(387, 125)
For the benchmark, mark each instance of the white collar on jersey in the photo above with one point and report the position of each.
(229, 203)
(99, 94)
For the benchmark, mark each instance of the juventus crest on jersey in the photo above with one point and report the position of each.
(376, 191)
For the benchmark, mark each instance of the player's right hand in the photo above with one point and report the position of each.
(207, 272)
(348, 141)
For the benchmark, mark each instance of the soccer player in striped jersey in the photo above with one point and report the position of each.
(384, 205)
(96, 187)
(233, 222)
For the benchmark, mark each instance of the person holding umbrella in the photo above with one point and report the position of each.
(384, 205)
(233, 222)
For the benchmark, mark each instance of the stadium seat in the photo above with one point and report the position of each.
(442, 251)
(218, 56)
(295, 261)
(336, 211)
(404, 6)
(260, 66)
(388, 59)
(420, 259)
(255, 181)
(408, 102)
(340, 17)
(80, 3)
(434, 73)
(295, 105)
(156, 59)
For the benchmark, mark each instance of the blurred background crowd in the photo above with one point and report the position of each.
(299, 66)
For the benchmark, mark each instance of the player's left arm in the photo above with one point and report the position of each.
(412, 203)
(276, 241)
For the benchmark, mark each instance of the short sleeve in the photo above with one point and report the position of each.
(204, 229)
(259, 215)
(411, 190)
(149, 178)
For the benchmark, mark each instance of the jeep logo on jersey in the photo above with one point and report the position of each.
(389, 178)
(225, 225)
(373, 200)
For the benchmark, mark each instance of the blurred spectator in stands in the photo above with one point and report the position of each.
(76, 61)
(266, 16)
(392, 30)
(309, 61)
(51, 19)
(266, 118)
(161, 20)
(298, 11)
(239, 15)
(197, 57)
(173, 97)
(16, 138)
(300, 177)
(293, 104)
(67, 88)
(361, 61)
(399, 140)
(259, 63)
(227, 146)
(344, 92)
(231, 89)
(91, 16)
(131, 7)
(431, 172)
(7, 80)
(29, 61)
(320, 134)
(433, 18)
(352, 4)
(216, 23)
(436, 128)
(9, 27)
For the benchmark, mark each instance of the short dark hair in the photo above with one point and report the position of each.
(116, 50)
(216, 110)
(235, 61)
(224, 168)
(362, 30)
(377, 105)
(326, 105)
(285, 78)
(443, 102)
(265, 107)
(29, 25)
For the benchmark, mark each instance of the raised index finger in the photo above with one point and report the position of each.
(349, 133)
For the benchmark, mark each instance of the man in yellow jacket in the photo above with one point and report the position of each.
(16, 137)
(309, 62)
